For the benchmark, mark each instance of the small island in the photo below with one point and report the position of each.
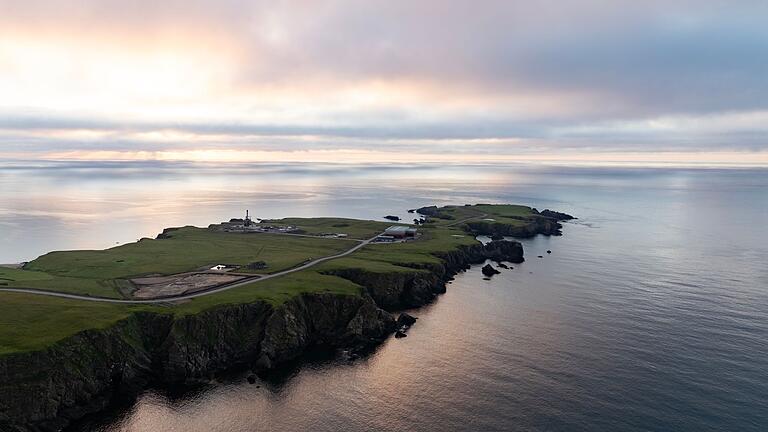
(80, 327)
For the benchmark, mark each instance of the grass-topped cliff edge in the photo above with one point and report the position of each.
(30, 322)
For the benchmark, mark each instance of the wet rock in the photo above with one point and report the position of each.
(541, 256)
(400, 334)
(251, 379)
(489, 271)
(406, 320)
(392, 218)
(502, 265)
(549, 251)
(497, 237)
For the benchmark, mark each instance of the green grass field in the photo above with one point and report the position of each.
(101, 272)
(29, 322)
(356, 229)
(502, 213)
(17, 278)
(187, 249)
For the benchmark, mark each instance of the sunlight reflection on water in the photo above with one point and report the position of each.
(650, 314)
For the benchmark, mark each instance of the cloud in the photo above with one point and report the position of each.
(501, 75)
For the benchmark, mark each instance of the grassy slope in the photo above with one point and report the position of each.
(16, 278)
(29, 322)
(188, 249)
(384, 257)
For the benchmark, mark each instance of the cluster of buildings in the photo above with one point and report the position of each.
(397, 233)
(248, 225)
(238, 226)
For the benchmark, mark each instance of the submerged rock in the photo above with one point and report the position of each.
(400, 334)
(489, 271)
(549, 251)
(502, 265)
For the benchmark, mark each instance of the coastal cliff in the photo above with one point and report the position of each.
(45, 390)
(408, 289)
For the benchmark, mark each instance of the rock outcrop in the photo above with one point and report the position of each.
(166, 233)
(406, 320)
(45, 390)
(433, 211)
(408, 289)
(556, 215)
(489, 271)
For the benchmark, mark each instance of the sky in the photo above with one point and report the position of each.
(614, 82)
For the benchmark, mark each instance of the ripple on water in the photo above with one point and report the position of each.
(651, 319)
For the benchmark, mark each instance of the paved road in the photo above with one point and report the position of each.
(483, 215)
(217, 289)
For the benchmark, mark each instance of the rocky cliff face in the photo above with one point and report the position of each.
(197, 346)
(45, 390)
(41, 391)
(407, 289)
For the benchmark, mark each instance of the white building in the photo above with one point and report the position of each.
(400, 231)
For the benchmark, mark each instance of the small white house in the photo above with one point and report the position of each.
(219, 267)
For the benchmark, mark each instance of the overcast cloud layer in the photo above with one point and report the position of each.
(95, 79)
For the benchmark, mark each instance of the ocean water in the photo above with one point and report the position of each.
(651, 313)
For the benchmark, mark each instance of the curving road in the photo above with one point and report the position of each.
(215, 290)
(482, 215)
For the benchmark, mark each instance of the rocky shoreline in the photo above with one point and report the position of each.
(546, 222)
(46, 390)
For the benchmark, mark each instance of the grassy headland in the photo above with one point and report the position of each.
(31, 322)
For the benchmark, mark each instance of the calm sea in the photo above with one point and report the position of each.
(651, 313)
